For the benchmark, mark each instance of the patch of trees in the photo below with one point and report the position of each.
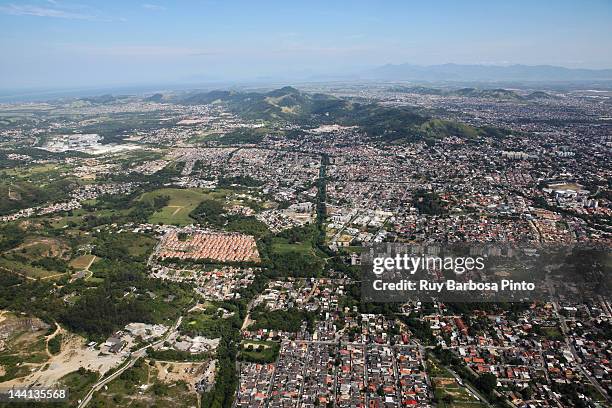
(420, 329)
(100, 312)
(246, 225)
(24, 194)
(222, 395)
(51, 264)
(142, 210)
(11, 236)
(289, 320)
(298, 234)
(296, 264)
(55, 344)
(30, 297)
(241, 136)
(428, 203)
(116, 247)
(570, 394)
(177, 355)
(246, 181)
(209, 212)
(260, 353)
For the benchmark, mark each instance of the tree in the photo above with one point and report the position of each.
(486, 382)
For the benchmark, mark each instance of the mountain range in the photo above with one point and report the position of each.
(496, 93)
(457, 72)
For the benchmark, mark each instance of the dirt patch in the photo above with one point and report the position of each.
(444, 381)
(44, 247)
(171, 372)
(74, 355)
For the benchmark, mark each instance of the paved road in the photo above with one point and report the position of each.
(134, 356)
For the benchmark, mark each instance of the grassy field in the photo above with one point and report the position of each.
(25, 269)
(259, 351)
(35, 247)
(78, 384)
(139, 244)
(25, 172)
(182, 202)
(281, 246)
(447, 388)
(78, 216)
(81, 262)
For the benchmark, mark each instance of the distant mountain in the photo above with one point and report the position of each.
(102, 99)
(456, 72)
(488, 93)
(540, 95)
(154, 98)
(498, 93)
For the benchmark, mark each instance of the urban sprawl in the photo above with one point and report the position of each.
(204, 248)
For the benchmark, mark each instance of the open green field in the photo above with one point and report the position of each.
(182, 202)
(25, 269)
(82, 262)
(281, 246)
(78, 217)
(259, 351)
(139, 244)
(302, 241)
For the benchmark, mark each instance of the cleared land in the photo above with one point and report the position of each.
(140, 386)
(26, 270)
(82, 262)
(73, 356)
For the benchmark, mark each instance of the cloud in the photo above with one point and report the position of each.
(153, 7)
(29, 10)
(70, 13)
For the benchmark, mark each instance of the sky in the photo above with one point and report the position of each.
(76, 43)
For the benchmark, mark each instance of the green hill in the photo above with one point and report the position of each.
(488, 93)
(286, 103)
(499, 93)
(540, 95)
(395, 124)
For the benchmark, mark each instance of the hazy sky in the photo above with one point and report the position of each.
(57, 43)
